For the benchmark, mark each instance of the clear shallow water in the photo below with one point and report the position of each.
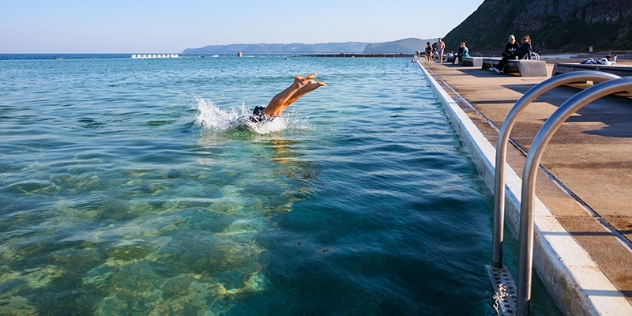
(126, 191)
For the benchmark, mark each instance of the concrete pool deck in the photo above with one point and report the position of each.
(583, 218)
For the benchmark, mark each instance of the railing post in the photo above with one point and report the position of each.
(572, 105)
(503, 138)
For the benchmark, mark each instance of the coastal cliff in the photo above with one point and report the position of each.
(554, 25)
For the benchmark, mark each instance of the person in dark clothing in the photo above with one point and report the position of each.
(428, 52)
(523, 52)
(511, 46)
(510, 49)
(458, 58)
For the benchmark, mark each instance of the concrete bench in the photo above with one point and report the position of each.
(529, 68)
(621, 71)
(524, 67)
(472, 61)
(562, 68)
(489, 62)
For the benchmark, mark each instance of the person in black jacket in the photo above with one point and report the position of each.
(511, 46)
(523, 52)
(510, 49)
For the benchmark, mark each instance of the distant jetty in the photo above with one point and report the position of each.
(145, 56)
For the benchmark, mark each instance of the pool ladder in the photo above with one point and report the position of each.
(512, 299)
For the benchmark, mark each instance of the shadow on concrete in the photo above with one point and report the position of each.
(499, 102)
(587, 233)
(608, 293)
(476, 71)
(613, 111)
(591, 234)
(522, 88)
(481, 73)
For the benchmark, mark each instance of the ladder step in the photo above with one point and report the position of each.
(505, 289)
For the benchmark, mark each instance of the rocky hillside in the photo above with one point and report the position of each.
(554, 25)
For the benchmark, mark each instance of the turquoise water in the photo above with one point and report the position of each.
(126, 190)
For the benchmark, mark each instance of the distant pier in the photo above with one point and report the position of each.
(144, 56)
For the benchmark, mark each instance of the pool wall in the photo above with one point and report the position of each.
(573, 280)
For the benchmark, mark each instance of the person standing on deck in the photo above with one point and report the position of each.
(440, 49)
(428, 52)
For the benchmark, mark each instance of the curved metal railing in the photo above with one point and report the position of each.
(541, 140)
(503, 139)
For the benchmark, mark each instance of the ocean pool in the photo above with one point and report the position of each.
(126, 190)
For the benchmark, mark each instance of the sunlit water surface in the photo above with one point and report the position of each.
(126, 189)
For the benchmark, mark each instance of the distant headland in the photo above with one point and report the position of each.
(555, 26)
(405, 46)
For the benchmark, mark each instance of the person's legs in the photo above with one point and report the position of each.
(501, 65)
(281, 98)
(309, 86)
(297, 89)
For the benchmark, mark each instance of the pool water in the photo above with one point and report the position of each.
(127, 188)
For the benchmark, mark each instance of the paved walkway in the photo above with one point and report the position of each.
(591, 155)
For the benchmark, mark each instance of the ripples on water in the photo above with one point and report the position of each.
(128, 190)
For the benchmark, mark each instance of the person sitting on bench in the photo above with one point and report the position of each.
(523, 52)
(462, 52)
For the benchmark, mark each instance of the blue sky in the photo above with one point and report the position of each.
(161, 26)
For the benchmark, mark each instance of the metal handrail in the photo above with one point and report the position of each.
(542, 138)
(503, 137)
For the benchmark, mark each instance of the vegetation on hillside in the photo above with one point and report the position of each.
(486, 30)
(576, 36)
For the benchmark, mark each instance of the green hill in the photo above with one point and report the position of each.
(554, 25)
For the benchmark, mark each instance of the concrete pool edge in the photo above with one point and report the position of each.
(573, 280)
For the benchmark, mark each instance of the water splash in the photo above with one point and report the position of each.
(211, 117)
(226, 117)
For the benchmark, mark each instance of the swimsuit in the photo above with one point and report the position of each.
(258, 116)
